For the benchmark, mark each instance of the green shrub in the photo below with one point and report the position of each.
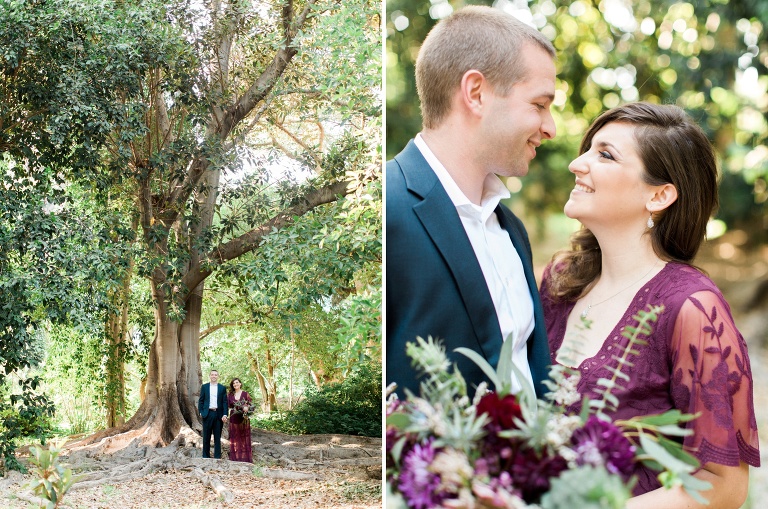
(27, 416)
(351, 407)
(51, 479)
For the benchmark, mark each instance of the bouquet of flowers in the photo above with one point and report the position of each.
(499, 450)
(242, 407)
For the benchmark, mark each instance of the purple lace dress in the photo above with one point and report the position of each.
(695, 361)
(240, 448)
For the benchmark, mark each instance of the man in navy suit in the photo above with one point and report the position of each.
(458, 262)
(212, 405)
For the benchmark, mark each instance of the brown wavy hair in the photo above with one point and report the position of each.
(674, 150)
(232, 385)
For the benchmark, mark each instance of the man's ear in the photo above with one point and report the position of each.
(473, 85)
(663, 196)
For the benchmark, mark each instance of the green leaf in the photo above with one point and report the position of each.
(398, 420)
(676, 449)
(482, 364)
(668, 417)
(527, 393)
(505, 367)
(664, 457)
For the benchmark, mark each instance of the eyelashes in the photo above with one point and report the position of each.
(606, 155)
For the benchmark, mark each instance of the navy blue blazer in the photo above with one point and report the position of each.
(434, 283)
(204, 401)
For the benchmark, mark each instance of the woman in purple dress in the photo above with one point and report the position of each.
(240, 408)
(646, 185)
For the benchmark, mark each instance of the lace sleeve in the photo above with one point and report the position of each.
(712, 376)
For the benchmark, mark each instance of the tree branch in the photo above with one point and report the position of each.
(264, 84)
(251, 240)
(312, 153)
(214, 328)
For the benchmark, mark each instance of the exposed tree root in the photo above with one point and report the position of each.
(28, 497)
(129, 458)
(279, 473)
(215, 484)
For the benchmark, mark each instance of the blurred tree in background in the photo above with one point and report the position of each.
(708, 57)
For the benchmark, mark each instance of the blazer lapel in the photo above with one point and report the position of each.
(438, 215)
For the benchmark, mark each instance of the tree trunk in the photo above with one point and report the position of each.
(293, 365)
(117, 335)
(262, 383)
(160, 411)
(266, 383)
(272, 396)
(189, 376)
(115, 369)
(159, 418)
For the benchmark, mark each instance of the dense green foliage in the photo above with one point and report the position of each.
(351, 407)
(708, 56)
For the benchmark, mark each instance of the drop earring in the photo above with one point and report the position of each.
(650, 222)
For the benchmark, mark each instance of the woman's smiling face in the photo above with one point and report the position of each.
(609, 186)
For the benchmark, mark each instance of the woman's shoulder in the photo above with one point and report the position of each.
(682, 278)
(677, 282)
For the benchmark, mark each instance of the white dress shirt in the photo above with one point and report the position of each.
(499, 261)
(214, 396)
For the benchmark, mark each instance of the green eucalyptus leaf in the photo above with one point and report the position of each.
(398, 420)
(483, 365)
(664, 457)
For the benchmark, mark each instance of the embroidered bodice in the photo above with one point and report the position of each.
(695, 361)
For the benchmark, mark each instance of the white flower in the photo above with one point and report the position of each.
(566, 393)
(464, 500)
(453, 468)
(569, 455)
(489, 497)
(481, 391)
(560, 428)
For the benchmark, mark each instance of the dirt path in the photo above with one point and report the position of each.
(296, 472)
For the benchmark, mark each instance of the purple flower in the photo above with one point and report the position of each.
(417, 484)
(601, 443)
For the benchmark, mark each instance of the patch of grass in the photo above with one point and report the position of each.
(260, 465)
(358, 491)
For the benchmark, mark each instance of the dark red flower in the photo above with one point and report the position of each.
(501, 411)
(532, 472)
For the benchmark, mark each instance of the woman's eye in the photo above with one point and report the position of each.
(606, 155)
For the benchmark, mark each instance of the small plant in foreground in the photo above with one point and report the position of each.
(52, 479)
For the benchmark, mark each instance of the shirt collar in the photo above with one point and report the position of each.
(494, 189)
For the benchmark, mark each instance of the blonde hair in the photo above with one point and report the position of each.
(475, 37)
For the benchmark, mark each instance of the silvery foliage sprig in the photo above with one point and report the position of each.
(443, 410)
(650, 433)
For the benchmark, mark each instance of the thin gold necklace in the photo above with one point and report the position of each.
(590, 306)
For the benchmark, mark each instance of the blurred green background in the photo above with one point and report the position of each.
(708, 57)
